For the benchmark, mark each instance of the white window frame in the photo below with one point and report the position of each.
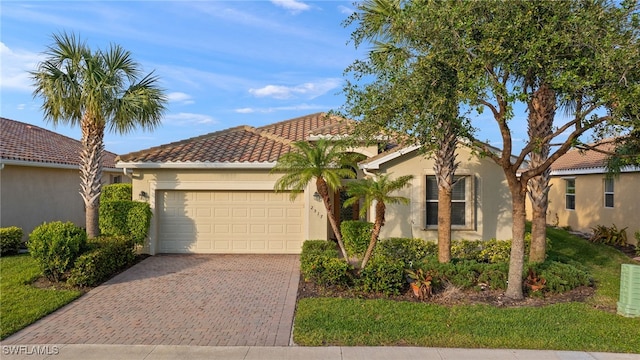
(567, 194)
(611, 193)
(469, 201)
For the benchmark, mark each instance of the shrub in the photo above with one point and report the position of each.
(494, 276)
(55, 246)
(496, 251)
(408, 250)
(356, 236)
(609, 235)
(560, 277)
(319, 263)
(10, 240)
(466, 249)
(383, 274)
(107, 256)
(125, 218)
(116, 192)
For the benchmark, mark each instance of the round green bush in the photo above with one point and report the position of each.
(356, 236)
(55, 246)
(10, 240)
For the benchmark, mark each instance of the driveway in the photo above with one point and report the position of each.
(207, 300)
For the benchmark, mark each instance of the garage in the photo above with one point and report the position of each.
(229, 222)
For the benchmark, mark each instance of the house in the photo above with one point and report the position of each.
(215, 193)
(582, 196)
(40, 177)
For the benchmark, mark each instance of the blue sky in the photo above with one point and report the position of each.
(222, 63)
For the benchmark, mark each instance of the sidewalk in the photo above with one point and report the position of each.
(158, 352)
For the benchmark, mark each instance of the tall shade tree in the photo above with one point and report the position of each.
(325, 161)
(585, 51)
(376, 191)
(411, 93)
(96, 90)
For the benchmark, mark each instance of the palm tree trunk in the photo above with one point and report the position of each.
(445, 168)
(323, 190)
(91, 172)
(542, 109)
(375, 233)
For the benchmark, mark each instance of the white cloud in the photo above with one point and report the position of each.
(16, 64)
(249, 110)
(180, 97)
(292, 5)
(306, 90)
(182, 119)
(345, 10)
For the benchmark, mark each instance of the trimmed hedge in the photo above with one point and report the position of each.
(55, 246)
(407, 250)
(356, 236)
(108, 255)
(319, 262)
(383, 274)
(10, 240)
(125, 218)
(116, 192)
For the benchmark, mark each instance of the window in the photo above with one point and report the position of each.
(608, 193)
(570, 194)
(460, 202)
(116, 179)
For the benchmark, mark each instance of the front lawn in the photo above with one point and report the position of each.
(20, 303)
(589, 326)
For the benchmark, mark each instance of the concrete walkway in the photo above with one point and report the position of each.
(200, 300)
(163, 352)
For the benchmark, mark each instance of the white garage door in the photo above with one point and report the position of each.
(225, 222)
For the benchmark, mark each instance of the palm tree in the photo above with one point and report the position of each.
(96, 90)
(323, 160)
(376, 190)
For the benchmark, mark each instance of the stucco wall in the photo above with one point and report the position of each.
(589, 207)
(31, 195)
(492, 210)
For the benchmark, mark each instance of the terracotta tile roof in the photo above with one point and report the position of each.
(25, 142)
(243, 144)
(584, 159)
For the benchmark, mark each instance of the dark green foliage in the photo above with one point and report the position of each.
(10, 240)
(562, 277)
(107, 256)
(319, 263)
(116, 192)
(356, 236)
(55, 246)
(407, 250)
(466, 249)
(125, 218)
(494, 275)
(383, 274)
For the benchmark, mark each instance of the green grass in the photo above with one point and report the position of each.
(590, 326)
(20, 303)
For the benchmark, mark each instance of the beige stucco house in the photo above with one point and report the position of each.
(40, 177)
(582, 196)
(214, 193)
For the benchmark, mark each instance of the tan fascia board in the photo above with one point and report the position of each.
(592, 171)
(195, 165)
(40, 164)
(375, 164)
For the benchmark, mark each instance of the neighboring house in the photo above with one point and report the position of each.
(40, 176)
(583, 196)
(214, 193)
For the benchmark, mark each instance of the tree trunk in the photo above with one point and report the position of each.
(542, 110)
(91, 172)
(444, 224)
(445, 167)
(516, 261)
(375, 233)
(323, 190)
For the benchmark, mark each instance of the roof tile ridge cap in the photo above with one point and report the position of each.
(269, 135)
(126, 157)
(263, 128)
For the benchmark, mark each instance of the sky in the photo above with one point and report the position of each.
(221, 63)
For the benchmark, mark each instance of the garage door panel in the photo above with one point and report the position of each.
(229, 222)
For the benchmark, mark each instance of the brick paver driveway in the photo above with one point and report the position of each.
(212, 300)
